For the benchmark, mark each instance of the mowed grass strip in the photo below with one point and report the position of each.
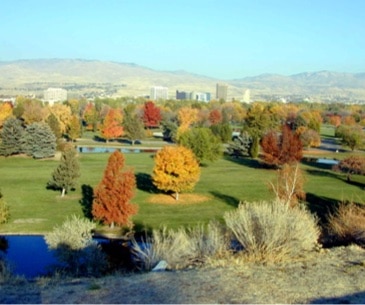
(34, 209)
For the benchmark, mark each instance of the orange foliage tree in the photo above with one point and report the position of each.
(112, 125)
(176, 170)
(281, 148)
(112, 196)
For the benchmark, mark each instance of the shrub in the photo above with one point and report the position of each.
(75, 248)
(272, 231)
(4, 210)
(347, 224)
(180, 248)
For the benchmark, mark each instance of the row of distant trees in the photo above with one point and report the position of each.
(38, 129)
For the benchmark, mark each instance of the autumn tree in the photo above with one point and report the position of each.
(112, 125)
(353, 165)
(34, 112)
(308, 137)
(6, 111)
(111, 204)
(351, 136)
(66, 175)
(288, 186)
(176, 170)
(12, 137)
(204, 144)
(151, 115)
(187, 116)
(215, 117)
(74, 128)
(63, 114)
(282, 148)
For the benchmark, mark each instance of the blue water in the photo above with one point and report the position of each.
(28, 255)
(327, 161)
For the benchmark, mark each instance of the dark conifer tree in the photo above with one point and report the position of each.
(12, 137)
(39, 141)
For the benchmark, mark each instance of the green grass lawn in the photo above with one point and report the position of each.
(34, 209)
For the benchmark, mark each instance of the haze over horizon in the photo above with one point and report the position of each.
(225, 40)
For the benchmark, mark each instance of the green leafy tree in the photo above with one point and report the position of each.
(353, 137)
(39, 141)
(133, 126)
(66, 175)
(223, 131)
(12, 137)
(204, 144)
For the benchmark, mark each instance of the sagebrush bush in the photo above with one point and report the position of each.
(4, 210)
(272, 231)
(347, 224)
(180, 248)
(75, 248)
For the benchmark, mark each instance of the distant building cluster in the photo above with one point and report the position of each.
(52, 95)
(197, 96)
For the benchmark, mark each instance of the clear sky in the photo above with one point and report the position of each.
(224, 39)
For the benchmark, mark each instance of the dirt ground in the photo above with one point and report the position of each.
(331, 276)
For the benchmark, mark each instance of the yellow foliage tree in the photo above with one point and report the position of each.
(176, 169)
(6, 111)
(63, 114)
(186, 116)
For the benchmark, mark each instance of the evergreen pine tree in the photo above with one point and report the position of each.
(40, 141)
(12, 137)
(65, 176)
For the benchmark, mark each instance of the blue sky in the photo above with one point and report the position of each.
(222, 39)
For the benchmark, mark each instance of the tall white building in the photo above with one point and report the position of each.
(52, 95)
(159, 92)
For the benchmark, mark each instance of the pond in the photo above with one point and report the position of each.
(28, 255)
(327, 161)
(99, 149)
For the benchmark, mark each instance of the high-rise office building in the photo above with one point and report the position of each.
(221, 92)
(159, 92)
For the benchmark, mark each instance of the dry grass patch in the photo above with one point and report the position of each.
(183, 199)
(347, 224)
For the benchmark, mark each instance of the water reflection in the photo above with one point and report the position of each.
(27, 255)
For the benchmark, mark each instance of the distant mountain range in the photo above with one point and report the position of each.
(104, 78)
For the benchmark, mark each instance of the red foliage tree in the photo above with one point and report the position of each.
(215, 117)
(151, 115)
(282, 148)
(112, 196)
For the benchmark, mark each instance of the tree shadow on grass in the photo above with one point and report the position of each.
(249, 162)
(87, 200)
(144, 183)
(230, 200)
(321, 206)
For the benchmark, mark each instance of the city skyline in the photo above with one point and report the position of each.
(224, 40)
